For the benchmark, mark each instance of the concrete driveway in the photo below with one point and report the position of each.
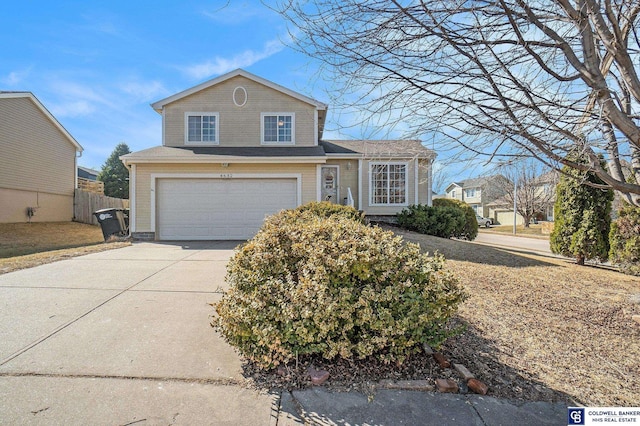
(122, 337)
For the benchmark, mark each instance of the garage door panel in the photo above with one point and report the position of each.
(208, 209)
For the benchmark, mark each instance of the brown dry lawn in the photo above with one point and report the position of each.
(23, 245)
(542, 328)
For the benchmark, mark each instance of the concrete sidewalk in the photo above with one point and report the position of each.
(122, 337)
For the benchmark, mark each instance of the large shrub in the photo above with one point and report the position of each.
(332, 286)
(582, 217)
(444, 221)
(470, 228)
(327, 209)
(625, 240)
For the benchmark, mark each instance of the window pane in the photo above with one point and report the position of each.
(209, 128)
(194, 128)
(284, 128)
(271, 128)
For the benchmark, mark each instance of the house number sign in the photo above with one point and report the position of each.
(226, 176)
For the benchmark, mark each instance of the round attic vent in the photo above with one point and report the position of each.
(240, 96)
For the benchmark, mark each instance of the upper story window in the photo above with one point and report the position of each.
(453, 194)
(201, 128)
(388, 184)
(278, 128)
(470, 193)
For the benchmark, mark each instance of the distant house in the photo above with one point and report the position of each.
(541, 197)
(478, 192)
(238, 148)
(38, 162)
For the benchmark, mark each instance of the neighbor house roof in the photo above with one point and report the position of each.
(45, 111)
(214, 154)
(239, 72)
(474, 182)
(378, 148)
(87, 173)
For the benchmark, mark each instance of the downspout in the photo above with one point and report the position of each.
(132, 185)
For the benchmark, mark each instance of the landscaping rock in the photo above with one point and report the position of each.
(464, 372)
(446, 386)
(415, 385)
(477, 386)
(636, 318)
(427, 349)
(441, 360)
(318, 377)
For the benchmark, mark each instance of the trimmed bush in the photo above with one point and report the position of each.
(470, 229)
(625, 241)
(332, 286)
(327, 209)
(443, 221)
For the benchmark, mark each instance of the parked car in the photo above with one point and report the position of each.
(484, 221)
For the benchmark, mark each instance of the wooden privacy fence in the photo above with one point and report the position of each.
(85, 203)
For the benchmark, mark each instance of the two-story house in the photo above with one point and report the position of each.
(38, 162)
(238, 148)
(478, 192)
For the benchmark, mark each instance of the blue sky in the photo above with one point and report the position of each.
(98, 65)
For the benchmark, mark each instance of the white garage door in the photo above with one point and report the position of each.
(219, 209)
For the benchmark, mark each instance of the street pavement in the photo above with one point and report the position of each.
(122, 337)
(533, 245)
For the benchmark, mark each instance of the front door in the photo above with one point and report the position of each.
(329, 184)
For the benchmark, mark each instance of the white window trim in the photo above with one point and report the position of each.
(293, 128)
(406, 182)
(201, 113)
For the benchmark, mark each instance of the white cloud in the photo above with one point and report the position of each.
(143, 91)
(15, 77)
(72, 109)
(235, 12)
(221, 65)
(74, 99)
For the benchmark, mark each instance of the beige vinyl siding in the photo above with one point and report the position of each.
(36, 156)
(239, 126)
(144, 172)
(48, 207)
(348, 178)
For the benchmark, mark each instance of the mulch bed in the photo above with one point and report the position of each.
(537, 329)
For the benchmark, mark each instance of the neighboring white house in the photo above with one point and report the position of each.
(238, 148)
(38, 162)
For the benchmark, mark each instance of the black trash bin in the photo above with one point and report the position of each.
(112, 222)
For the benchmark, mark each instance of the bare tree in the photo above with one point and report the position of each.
(532, 188)
(502, 78)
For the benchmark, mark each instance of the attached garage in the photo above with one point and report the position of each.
(219, 208)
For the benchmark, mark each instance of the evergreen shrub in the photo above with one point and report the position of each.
(625, 241)
(441, 221)
(470, 229)
(333, 287)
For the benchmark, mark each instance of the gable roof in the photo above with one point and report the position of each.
(45, 112)
(377, 148)
(479, 182)
(158, 105)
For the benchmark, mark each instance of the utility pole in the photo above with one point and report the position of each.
(515, 203)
